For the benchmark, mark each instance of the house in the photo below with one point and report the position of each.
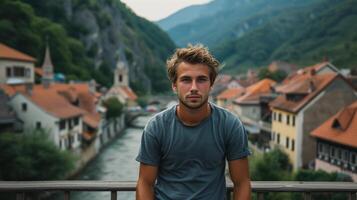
(121, 89)
(8, 119)
(15, 67)
(252, 108)
(226, 98)
(306, 100)
(42, 108)
(248, 104)
(336, 140)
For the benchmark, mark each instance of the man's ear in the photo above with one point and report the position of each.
(173, 86)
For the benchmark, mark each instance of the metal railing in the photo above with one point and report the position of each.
(259, 187)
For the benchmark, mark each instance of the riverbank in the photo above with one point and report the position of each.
(109, 131)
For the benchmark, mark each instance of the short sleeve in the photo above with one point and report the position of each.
(237, 141)
(149, 152)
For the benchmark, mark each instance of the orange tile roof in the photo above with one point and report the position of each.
(123, 90)
(345, 133)
(231, 93)
(301, 85)
(58, 92)
(39, 71)
(92, 119)
(7, 52)
(53, 103)
(254, 91)
(306, 71)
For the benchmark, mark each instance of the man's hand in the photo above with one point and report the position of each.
(146, 181)
(239, 171)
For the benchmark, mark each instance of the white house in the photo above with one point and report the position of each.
(15, 67)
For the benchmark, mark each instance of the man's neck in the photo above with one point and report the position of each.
(192, 117)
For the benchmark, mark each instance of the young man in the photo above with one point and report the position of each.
(184, 148)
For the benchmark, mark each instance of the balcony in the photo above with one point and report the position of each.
(258, 187)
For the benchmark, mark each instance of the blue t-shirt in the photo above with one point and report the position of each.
(191, 159)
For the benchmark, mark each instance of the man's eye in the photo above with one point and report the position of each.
(202, 80)
(185, 80)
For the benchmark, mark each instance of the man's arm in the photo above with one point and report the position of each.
(239, 171)
(146, 181)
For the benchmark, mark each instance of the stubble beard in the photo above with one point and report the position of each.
(193, 107)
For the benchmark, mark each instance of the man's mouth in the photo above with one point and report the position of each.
(193, 96)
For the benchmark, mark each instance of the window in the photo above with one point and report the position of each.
(60, 143)
(78, 137)
(120, 78)
(332, 152)
(62, 124)
(76, 121)
(274, 116)
(279, 117)
(272, 136)
(320, 148)
(287, 143)
(339, 153)
(353, 159)
(27, 73)
(19, 71)
(293, 120)
(278, 138)
(8, 72)
(292, 145)
(288, 119)
(24, 107)
(38, 125)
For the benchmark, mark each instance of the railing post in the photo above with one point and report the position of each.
(66, 195)
(228, 194)
(260, 196)
(307, 195)
(352, 196)
(20, 196)
(113, 195)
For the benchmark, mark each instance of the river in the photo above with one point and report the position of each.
(115, 162)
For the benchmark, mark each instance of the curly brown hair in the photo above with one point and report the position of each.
(197, 54)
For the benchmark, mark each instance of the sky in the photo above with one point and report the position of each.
(155, 10)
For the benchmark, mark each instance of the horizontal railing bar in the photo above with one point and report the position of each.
(257, 186)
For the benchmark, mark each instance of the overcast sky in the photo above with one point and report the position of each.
(157, 9)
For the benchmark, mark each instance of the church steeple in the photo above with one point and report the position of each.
(121, 77)
(47, 68)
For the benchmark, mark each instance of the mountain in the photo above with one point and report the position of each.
(87, 38)
(305, 35)
(190, 13)
(248, 33)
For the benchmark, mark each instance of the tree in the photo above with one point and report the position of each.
(114, 108)
(32, 157)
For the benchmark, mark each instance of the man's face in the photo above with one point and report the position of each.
(192, 85)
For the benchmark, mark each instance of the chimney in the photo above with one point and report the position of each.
(313, 72)
(312, 86)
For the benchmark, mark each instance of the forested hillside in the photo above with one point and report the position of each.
(254, 33)
(87, 38)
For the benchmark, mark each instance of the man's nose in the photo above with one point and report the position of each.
(194, 86)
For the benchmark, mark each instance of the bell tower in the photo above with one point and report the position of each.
(121, 75)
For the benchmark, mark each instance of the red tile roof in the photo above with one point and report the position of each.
(7, 52)
(123, 90)
(231, 93)
(53, 103)
(308, 71)
(307, 86)
(253, 92)
(340, 128)
(58, 97)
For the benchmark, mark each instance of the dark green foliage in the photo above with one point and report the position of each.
(301, 35)
(25, 25)
(114, 108)
(310, 175)
(32, 157)
(272, 166)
